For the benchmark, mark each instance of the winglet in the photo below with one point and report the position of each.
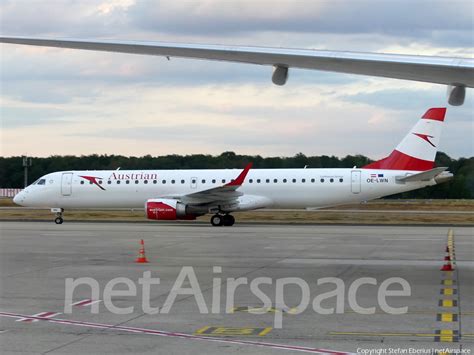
(240, 179)
(436, 113)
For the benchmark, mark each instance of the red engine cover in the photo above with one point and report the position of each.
(160, 210)
(164, 209)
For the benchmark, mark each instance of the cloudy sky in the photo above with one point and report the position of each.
(56, 101)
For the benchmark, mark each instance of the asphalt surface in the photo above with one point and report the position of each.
(37, 258)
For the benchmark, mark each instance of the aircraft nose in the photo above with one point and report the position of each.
(19, 197)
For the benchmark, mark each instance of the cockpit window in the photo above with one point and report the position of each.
(41, 182)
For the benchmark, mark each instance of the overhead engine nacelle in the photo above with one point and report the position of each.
(280, 75)
(167, 209)
(456, 94)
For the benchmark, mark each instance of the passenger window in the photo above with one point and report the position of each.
(258, 181)
(284, 180)
(118, 182)
(154, 181)
(82, 182)
(267, 181)
(193, 181)
(145, 182)
(331, 180)
(109, 182)
(312, 180)
(173, 181)
(322, 180)
(294, 180)
(136, 182)
(163, 182)
(275, 180)
(250, 181)
(203, 181)
(127, 182)
(182, 181)
(341, 180)
(213, 181)
(303, 180)
(223, 181)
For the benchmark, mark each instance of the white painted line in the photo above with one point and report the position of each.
(37, 317)
(372, 262)
(298, 237)
(85, 303)
(410, 239)
(179, 335)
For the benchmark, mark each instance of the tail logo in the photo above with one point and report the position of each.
(92, 180)
(425, 137)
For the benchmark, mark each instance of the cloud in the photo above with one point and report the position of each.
(252, 119)
(67, 17)
(432, 21)
(81, 102)
(393, 18)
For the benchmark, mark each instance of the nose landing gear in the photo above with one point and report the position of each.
(59, 215)
(222, 220)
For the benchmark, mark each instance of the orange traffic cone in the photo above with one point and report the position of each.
(141, 253)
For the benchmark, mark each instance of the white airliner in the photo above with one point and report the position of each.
(457, 73)
(186, 194)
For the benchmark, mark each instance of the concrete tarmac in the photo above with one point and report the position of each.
(36, 259)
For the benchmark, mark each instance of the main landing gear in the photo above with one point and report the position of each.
(222, 220)
(59, 215)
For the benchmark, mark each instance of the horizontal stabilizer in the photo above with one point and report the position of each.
(423, 176)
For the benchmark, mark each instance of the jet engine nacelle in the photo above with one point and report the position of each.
(167, 209)
(280, 75)
(456, 94)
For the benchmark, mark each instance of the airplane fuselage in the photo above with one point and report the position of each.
(273, 188)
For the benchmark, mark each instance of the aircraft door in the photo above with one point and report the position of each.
(355, 181)
(66, 184)
(194, 182)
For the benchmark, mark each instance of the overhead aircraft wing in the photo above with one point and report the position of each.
(221, 194)
(456, 72)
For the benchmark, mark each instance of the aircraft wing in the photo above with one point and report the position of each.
(456, 72)
(222, 194)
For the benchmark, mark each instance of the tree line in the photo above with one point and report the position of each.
(461, 186)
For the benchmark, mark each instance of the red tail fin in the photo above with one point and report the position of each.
(417, 151)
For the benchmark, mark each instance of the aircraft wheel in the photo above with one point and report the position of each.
(217, 220)
(58, 220)
(228, 220)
